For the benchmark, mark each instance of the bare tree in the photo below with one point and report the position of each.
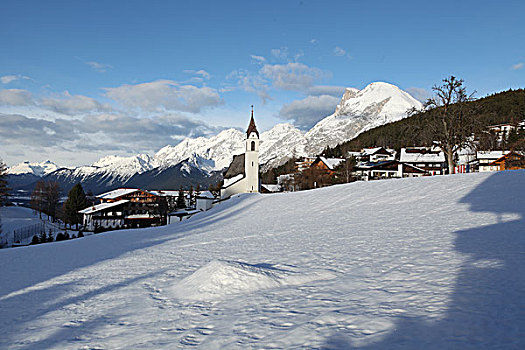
(452, 118)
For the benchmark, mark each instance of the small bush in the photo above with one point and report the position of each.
(35, 240)
(80, 234)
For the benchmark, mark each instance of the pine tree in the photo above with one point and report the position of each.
(4, 190)
(181, 202)
(76, 200)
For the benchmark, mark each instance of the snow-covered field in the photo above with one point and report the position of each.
(414, 263)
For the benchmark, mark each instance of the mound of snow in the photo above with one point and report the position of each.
(220, 278)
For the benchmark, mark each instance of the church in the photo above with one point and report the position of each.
(243, 174)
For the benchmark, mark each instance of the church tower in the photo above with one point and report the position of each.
(251, 158)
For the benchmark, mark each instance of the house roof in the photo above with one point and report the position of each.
(421, 155)
(491, 154)
(331, 163)
(117, 193)
(206, 195)
(271, 187)
(102, 206)
(236, 167)
(511, 153)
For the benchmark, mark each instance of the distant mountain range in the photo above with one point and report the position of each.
(201, 160)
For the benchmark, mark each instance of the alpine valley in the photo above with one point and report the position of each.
(201, 160)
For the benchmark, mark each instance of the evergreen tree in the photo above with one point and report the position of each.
(76, 200)
(4, 190)
(181, 201)
(192, 196)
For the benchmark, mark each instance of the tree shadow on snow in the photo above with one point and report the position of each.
(487, 305)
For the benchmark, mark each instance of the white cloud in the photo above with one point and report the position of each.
(314, 41)
(16, 97)
(101, 133)
(281, 54)
(201, 72)
(73, 104)
(307, 112)
(6, 79)
(165, 95)
(249, 82)
(259, 59)
(517, 66)
(293, 76)
(338, 51)
(99, 67)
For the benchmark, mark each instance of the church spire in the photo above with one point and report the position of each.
(252, 127)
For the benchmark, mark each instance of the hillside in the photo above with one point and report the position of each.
(400, 264)
(503, 107)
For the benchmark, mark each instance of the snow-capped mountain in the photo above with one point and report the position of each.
(360, 110)
(218, 150)
(37, 169)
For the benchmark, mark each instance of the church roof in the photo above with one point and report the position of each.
(252, 127)
(236, 167)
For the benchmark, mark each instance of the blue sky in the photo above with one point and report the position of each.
(83, 79)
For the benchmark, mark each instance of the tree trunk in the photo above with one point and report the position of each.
(450, 159)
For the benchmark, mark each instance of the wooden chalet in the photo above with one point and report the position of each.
(125, 208)
(326, 165)
(510, 161)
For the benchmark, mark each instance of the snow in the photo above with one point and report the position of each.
(102, 206)
(377, 104)
(119, 192)
(331, 163)
(491, 155)
(432, 262)
(17, 217)
(38, 169)
(408, 155)
(232, 180)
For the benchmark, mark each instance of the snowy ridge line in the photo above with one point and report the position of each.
(359, 110)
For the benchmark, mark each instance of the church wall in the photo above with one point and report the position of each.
(238, 187)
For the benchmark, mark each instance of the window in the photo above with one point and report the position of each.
(253, 145)
(252, 163)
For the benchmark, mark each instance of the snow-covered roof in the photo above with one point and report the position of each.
(117, 193)
(271, 187)
(162, 193)
(421, 155)
(331, 163)
(232, 180)
(490, 154)
(206, 195)
(370, 151)
(102, 206)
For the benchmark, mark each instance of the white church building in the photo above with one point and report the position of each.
(243, 174)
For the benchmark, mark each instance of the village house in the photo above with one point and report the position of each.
(485, 158)
(432, 160)
(509, 161)
(242, 175)
(125, 208)
(387, 170)
(328, 165)
(375, 155)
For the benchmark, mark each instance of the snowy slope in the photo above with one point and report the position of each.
(434, 263)
(37, 169)
(377, 104)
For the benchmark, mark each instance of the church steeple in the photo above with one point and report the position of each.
(252, 127)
